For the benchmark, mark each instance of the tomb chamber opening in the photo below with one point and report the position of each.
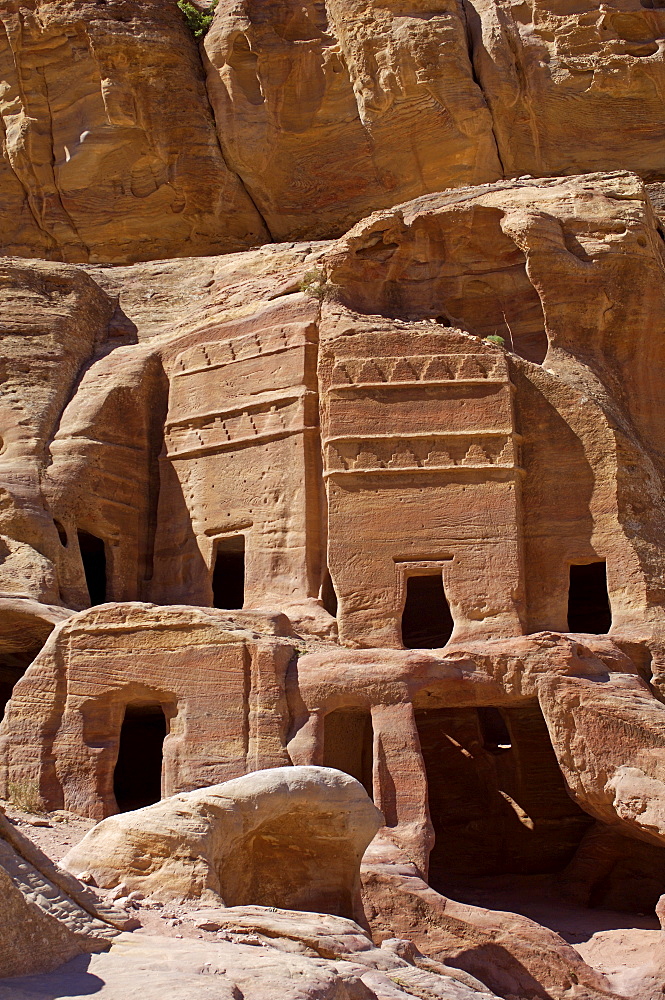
(348, 744)
(93, 557)
(589, 607)
(497, 798)
(328, 595)
(12, 668)
(137, 779)
(228, 576)
(426, 620)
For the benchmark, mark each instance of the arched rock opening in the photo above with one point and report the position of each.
(348, 744)
(137, 779)
(93, 557)
(498, 802)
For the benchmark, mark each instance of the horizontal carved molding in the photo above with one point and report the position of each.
(491, 471)
(263, 403)
(421, 452)
(211, 446)
(219, 354)
(418, 370)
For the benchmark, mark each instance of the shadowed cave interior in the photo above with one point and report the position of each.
(137, 780)
(426, 620)
(497, 797)
(12, 668)
(347, 744)
(228, 577)
(93, 556)
(588, 600)
(507, 833)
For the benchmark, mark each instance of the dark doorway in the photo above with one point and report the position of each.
(228, 576)
(12, 668)
(328, 595)
(93, 556)
(588, 601)
(497, 798)
(494, 731)
(426, 621)
(137, 781)
(347, 745)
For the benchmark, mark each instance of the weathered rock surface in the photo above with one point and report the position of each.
(515, 956)
(572, 88)
(328, 111)
(377, 514)
(109, 146)
(52, 318)
(324, 113)
(225, 970)
(46, 916)
(287, 837)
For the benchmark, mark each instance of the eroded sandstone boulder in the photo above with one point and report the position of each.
(514, 956)
(286, 837)
(256, 967)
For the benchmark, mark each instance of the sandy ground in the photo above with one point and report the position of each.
(615, 943)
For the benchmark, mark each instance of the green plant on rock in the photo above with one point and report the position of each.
(494, 338)
(198, 20)
(314, 284)
(24, 795)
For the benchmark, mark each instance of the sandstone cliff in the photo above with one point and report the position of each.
(125, 139)
(331, 437)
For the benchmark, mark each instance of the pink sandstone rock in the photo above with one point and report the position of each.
(436, 559)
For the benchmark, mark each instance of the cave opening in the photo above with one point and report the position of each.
(509, 837)
(137, 780)
(93, 557)
(328, 595)
(493, 729)
(497, 797)
(426, 620)
(12, 668)
(589, 608)
(228, 576)
(348, 744)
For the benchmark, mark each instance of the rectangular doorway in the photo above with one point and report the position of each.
(137, 780)
(589, 608)
(426, 620)
(348, 744)
(93, 557)
(228, 575)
